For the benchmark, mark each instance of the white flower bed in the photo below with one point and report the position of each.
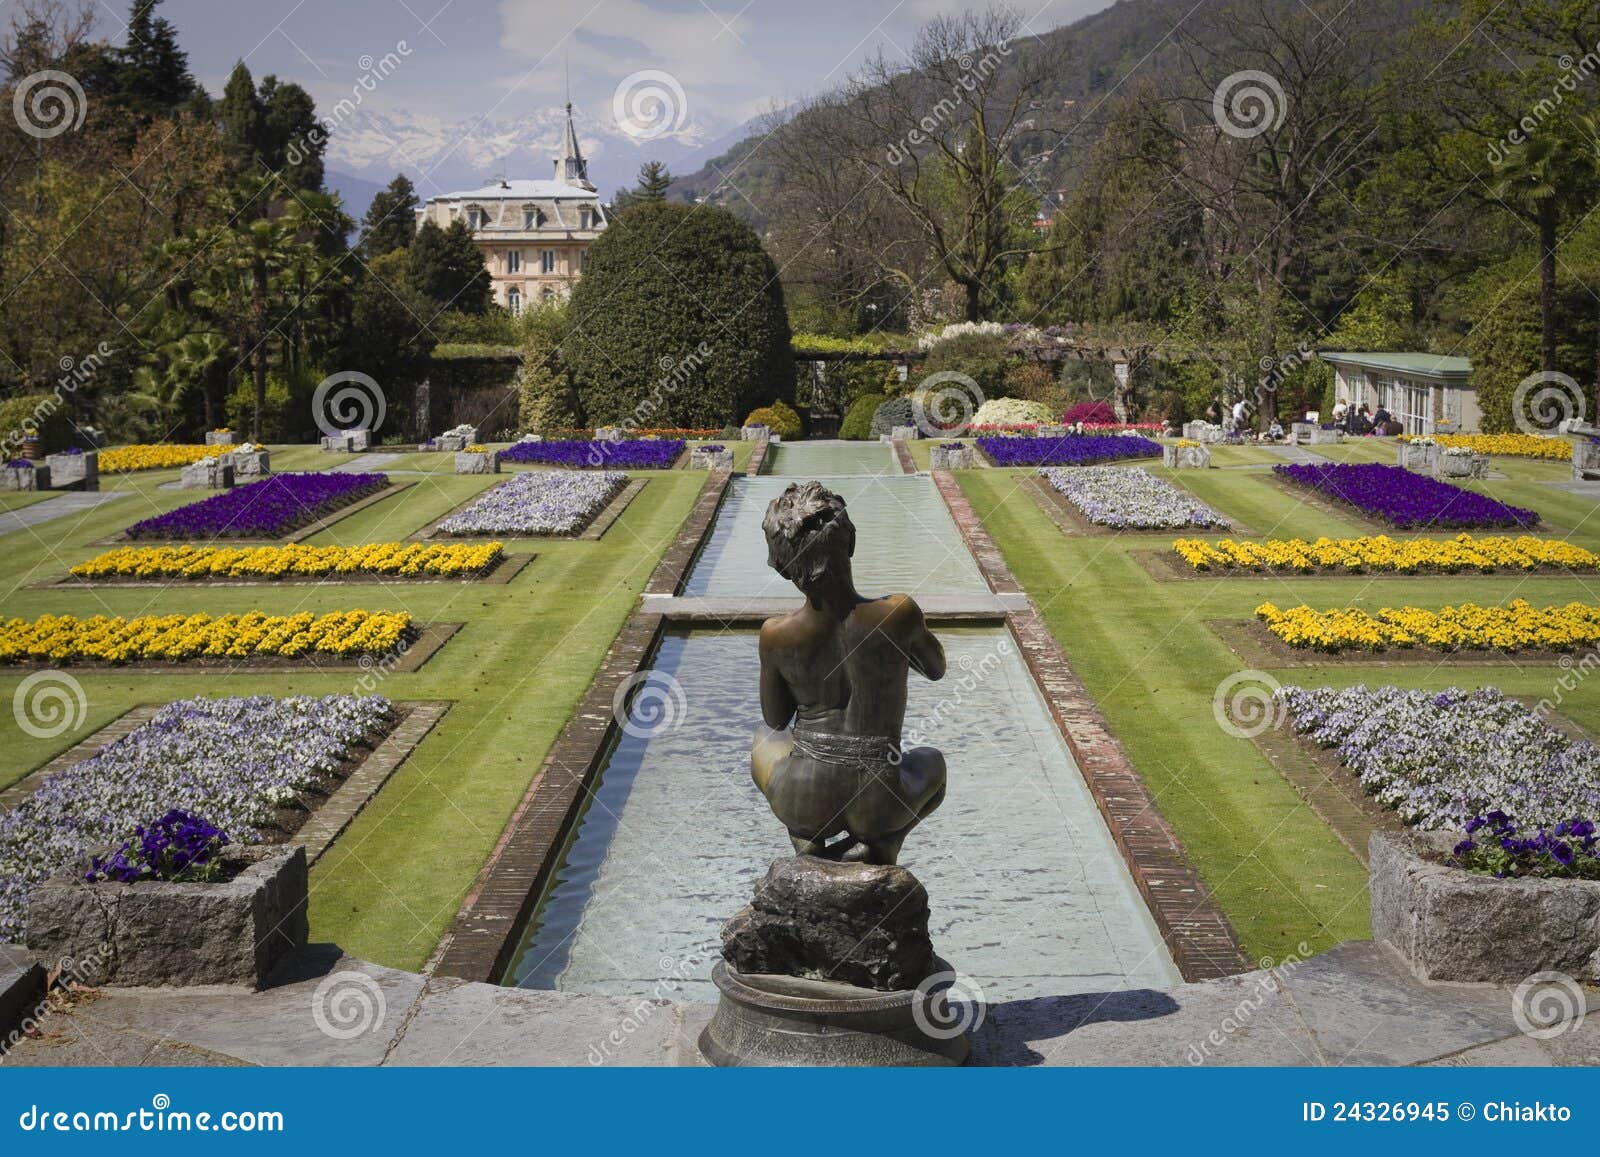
(538, 502)
(1130, 498)
(231, 762)
(1440, 758)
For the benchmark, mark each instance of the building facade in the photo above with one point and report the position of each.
(1426, 393)
(534, 234)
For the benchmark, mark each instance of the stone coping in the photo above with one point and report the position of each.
(300, 535)
(757, 461)
(487, 928)
(965, 609)
(418, 650)
(502, 572)
(902, 454)
(595, 526)
(1257, 646)
(1071, 521)
(1197, 933)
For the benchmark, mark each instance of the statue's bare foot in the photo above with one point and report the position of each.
(853, 852)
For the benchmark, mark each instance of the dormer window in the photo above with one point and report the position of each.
(585, 218)
(476, 217)
(531, 217)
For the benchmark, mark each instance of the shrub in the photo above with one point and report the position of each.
(545, 399)
(980, 356)
(778, 418)
(857, 424)
(686, 282)
(1012, 412)
(44, 413)
(1033, 382)
(894, 412)
(1093, 413)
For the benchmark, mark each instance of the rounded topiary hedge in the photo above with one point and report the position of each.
(778, 418)
(678, 320)
(857, 424)
(894, 412)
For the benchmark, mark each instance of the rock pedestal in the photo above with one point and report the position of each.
(74, 471)
(1203, 432)
(25, 478)
(957, 457)
(219, 437)
(214, 473)
(1585, 459)
(711, 458)
(478, 462)
(1422, 457)
(831, 964)
(1186, 457)
(1463, 465)
(254, 463)
(754, 433)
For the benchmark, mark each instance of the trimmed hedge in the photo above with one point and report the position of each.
(894, 412)
(857, 424)
(682, 321)
(778, 418)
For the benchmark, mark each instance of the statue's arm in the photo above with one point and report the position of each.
(777, 701)
(921, 645)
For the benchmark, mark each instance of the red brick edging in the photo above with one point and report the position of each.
(908, 464)
(1202, 941)
(758, 456)
(484, 935)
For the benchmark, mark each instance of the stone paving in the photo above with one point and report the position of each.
(365, 464)
(66, 503)
(1353, 1005)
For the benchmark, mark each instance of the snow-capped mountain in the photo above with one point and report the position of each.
(441, 155)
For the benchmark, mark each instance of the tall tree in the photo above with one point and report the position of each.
(243, 118)
(154, 74)
(447, 265)
(391, 220)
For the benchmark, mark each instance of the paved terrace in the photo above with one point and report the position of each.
(1353, 1005)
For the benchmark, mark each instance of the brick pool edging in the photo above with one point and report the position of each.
(1203, 943)
(758, 457)
(488, 926)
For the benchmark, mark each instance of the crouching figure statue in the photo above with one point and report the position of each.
(837, 668)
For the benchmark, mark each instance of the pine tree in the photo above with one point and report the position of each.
(154, 77)
(447, 265)
(242, 118)
(292, 138)
(391, 221)
(654, 180)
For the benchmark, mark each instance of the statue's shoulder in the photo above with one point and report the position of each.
(897, 611)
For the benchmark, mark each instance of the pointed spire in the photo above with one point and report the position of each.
(571, 168)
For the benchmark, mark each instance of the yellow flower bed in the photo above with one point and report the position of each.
(1379, 552)
(1515, 627)
(113, 639)
(1509, 445)
(164, 456)
(400, 559)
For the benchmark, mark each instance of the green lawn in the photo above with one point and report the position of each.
(392, 882)
(1147, 656)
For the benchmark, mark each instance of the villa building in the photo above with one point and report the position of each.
(534, 234)
(1426, 393)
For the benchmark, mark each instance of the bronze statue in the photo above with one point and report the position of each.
(837, 668)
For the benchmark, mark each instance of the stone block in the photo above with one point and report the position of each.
(158, 933)
(1462, 465)
(754, 433)
(24, 477)
(1186, 457)
(220, 438)
(478, 462)
(74, 471)
(1585, 459)
(1051, 431)
(252, 463)
(1422, 457)
(958, 457)
(711, 458)
(608, 434)
(1450, 924)
(214, 473)
(336, 442)
(904, 434)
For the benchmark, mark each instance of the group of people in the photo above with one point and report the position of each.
(1362, 420)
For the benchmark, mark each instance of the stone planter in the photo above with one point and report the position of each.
(220, 438)
(531, 438)
(706, 458)
(25, 478)
(1311, 434)
(953, 459)
(1420, 457)
(904, 434)
(1463, 466)
(754, 433)
(478, 462)
(1051, 431)
(1585, 459)
(251, 463)
(457, 439)
(608, 434)
(214, 473)
(1203, 432)
(350, 441)
(1186, 457)
(1449, 924)
(156, 933)
(74, 471)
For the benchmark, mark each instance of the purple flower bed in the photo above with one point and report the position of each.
(634, 454)
(262, 509)
(235, 761)
(1406, 499)
(1068, 449)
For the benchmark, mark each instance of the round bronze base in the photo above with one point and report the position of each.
(785, 1021)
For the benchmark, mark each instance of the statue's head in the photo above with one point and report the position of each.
(809, 535)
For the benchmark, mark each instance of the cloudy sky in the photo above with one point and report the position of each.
(466, 58)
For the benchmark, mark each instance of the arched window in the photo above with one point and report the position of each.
(514, 300)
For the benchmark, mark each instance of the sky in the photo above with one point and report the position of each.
(731, 59)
